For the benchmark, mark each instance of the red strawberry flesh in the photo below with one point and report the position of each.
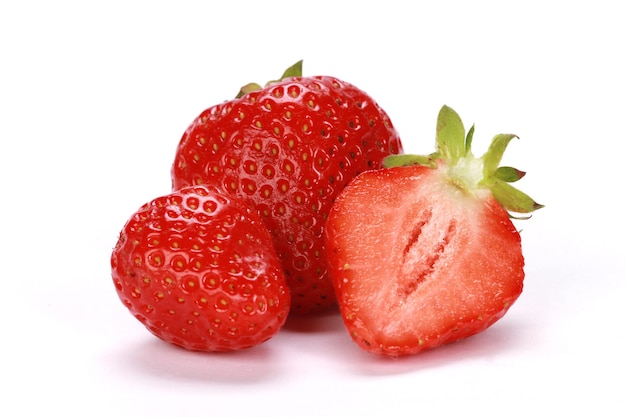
(432, 275)
(424, 252)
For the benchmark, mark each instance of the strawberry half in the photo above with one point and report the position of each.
(288, 149)
(424, 252)
(198, 269)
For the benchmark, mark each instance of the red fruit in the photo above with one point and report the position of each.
(288, 149)
(426, 255)
(198, 269)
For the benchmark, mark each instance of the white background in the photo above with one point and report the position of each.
(94, 97)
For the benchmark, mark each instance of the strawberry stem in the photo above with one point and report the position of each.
(454, 154)
(450, 136)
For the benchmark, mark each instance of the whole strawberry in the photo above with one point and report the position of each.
(424, 253)
(198, 269)
(289, 149)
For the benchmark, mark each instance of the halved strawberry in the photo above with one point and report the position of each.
(288, 149)
(198, 269)
(423, 252)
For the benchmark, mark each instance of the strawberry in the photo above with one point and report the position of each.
(424, 252)
(288, 149)
(198, 269)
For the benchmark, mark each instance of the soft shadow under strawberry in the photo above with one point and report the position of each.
(326, 321)
(157, 359)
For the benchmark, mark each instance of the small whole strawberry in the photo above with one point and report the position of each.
(288, 149)
(423, 252)
(198, 269)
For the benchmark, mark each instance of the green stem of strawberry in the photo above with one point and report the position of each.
(293, 71)
(471, 174)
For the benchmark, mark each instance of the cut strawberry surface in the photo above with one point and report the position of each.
(425, 253)
(424, 274)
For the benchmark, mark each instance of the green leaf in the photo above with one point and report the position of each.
(468, 141)
(450, 135)
(403, 160)
(293, 71)
(509, 174)
(248, 88)
(513, 199)
(493, 156)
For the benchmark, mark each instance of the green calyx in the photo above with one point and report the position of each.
(467, 172)
(293, 71)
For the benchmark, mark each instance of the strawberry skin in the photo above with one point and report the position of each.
(288, 149)
(198, 269)
(423, 253)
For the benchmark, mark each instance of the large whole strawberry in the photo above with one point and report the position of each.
(424, 252)
(289, 149)
(198, 269)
